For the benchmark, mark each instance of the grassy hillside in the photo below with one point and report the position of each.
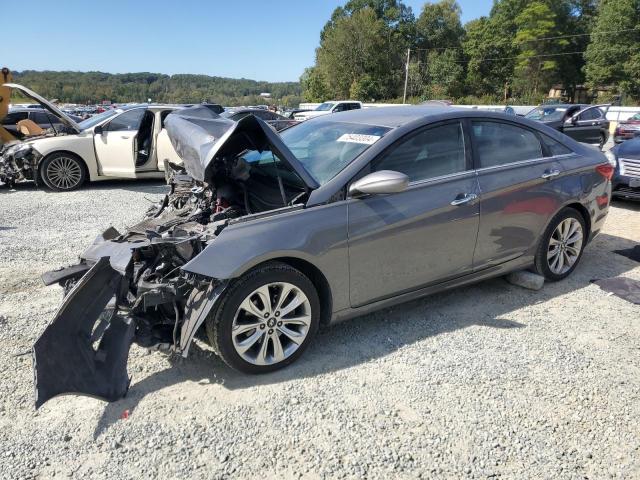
(94, 87)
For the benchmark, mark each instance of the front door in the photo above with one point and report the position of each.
(518, 179)
(424, 235)
(116, 145)
(586, 127)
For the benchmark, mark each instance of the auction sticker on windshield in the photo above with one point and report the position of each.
(359, 138)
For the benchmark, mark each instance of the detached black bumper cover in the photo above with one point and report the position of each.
(64, 357)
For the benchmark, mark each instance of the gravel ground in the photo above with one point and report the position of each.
(486, 381)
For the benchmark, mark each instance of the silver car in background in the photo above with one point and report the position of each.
(265, 237)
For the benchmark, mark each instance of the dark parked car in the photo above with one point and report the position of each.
(627, 129)
(583, 123)
(267, 236)
(626, 180)
(278, 122)
(39, 115)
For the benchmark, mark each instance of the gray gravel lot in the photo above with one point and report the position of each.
(486, 381)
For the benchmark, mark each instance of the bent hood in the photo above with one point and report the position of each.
(47, 105)
(200, 136)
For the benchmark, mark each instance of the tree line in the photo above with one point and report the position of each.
(94, 87)
(515, 54)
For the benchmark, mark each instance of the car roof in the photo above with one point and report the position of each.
(392, 117)
(27, 109)
(564, 105)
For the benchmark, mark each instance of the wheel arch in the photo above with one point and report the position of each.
(580, 208)
(316, 276)
(584, 213)
(83, 162)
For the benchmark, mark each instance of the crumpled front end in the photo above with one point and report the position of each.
(130, 288)
(18, 162)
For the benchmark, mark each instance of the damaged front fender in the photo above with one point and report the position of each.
(79, 352)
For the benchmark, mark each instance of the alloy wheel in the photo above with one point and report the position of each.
(64, 173)
(271, 323)
(565, 246)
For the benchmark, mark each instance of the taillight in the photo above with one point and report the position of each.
(606, 170)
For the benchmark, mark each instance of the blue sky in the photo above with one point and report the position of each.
(263, 40)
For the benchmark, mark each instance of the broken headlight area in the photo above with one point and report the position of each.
(18, 162)
(132, 287)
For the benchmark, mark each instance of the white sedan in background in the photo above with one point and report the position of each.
(118, 143)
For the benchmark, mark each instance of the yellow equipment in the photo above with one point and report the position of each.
(5, 98)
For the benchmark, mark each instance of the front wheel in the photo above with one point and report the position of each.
(265, 320)
(561, 246)
(63, 172)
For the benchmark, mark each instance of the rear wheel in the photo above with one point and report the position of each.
(63, 171)
(561, 246)
(266, 319)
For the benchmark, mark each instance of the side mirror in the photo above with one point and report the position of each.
(572, 121)
(378, 183)
(98, 130)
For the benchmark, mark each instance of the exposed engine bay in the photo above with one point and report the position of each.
(131, 287)
(18, 162)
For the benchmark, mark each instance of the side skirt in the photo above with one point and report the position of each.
(495, 271)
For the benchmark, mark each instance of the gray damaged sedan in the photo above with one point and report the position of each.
(265, 237)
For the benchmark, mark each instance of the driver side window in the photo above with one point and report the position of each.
(127, 121)
(430, 153)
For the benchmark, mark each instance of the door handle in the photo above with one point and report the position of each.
(550, 174)
(124, 137)
(464, 198)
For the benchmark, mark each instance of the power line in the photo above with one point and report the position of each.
(517, 57)
(539, 39)
(521, 57)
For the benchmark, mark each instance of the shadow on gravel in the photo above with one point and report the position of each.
(381, 333)
(144, 186)
(634, 206)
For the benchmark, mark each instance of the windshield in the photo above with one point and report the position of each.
(96, 119)
(635, 117)
(325, 148)
(326, 106)
(547, 114)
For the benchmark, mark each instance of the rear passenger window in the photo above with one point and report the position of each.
(502, 143)
(427, 154)
(555, 147)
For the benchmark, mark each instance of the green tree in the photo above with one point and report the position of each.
(614, 58)
(314, 85)
(356, 53)
(535, 67)
(439, 34)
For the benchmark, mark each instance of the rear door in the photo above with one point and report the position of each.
(115, 147)
(518, 177)
(424, 235)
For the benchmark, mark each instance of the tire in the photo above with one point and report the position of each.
(552, 260)
(232, 328)
(603, 140)
(63, 172)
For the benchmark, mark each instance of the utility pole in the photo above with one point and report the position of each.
(406, 77)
